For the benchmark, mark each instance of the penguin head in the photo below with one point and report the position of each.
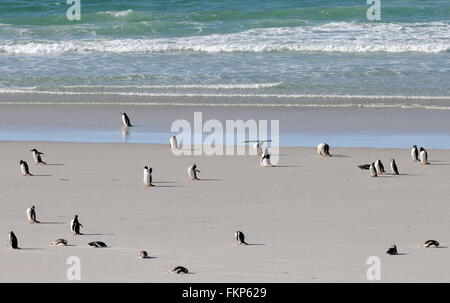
(421, 149)
(21, 162)
(32, 207)
(145, 167)
(76, 216)
(194, 166)
(33, 150)
(414, 146)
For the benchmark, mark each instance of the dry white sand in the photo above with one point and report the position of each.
(311, 219)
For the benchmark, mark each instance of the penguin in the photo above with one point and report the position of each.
(31, 214)
(240, 238)
(258, 148)
(59, 242)
(394, 167)
(37, 156)
(192, 172)
(392, 250)
(143, 254)
(373, 171)
(180, 270)
(75, 226)
(431, 243)
(126, 120)
(379, 166)
(173, 143)
(364, 166)
(97, 244)
(415, 153)
(323, 149)
(265, 159)
(423, 156)
(13, 240)
(147, 176)
(24, 168)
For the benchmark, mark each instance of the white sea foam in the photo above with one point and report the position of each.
(117, 14)
(346, 37)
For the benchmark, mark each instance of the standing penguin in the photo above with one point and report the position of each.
(379, 166)
(265, 159)
(240, 238)
(394, 167)
(148, 176)
(24, 168)
(75, 226)
(323, 149)
(37, 156)
(415, 153)
(192, 172)
(258, 147)
(126, 120)
(173, 143)
(373, 171)
(423, 156)
(13, 240)
(31, 215)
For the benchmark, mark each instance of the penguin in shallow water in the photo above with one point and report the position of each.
(59, 242)
(173, 143)
(147, 176)
(431, 243)
(192, 172)
(323, 149)
(394, 167)
(240, 238)
(75, 226)
(13, 240)
(265, 159)
(423, 156)
(180, 270)
(126, 120)
(31, 215)
(379, 167)
(37, 156)
(24, 168)
(392, 250)
(373, 171)
(415, 153)
(97, 244)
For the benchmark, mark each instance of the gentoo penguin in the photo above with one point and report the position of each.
(323, 149)
(394, 167)
(379, 167)
(147, 176)
(37, 156)
(24, 168)
(415, 153)
(258, 147)
(192, 172)
(240, 238)
(126, 120)
(97, 244)
(59, 242)
(423, 156)
(13, 240)
(373, 171)
(31, 214)
(173, 143)
(392, 250)
(265, 159)
(364, 166)
(75, 226)
(431, 243)
(180, 270)
(143, 254)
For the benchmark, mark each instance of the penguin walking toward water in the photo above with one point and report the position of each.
(13, 240)
(37, 156)
(75, 226)
(415, 153)
(379, 167)
(373, 171)
(24, 168)
(392, 250)
(240, 238)
(192, 172)
(31, 215)
(148, 176)
(323, 149)
(126, 120)
(394, 167)
(265, 159)
(423, 156)
(173, 143)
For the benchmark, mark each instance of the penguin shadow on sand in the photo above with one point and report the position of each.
(165, 184)
(438, 162)
(51, 222)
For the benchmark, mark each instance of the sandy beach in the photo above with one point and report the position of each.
(311, 219)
